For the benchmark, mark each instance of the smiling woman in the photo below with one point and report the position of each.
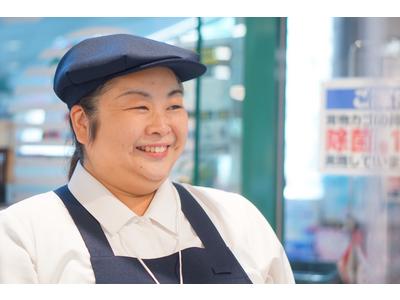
(120, 219)
(141, 131)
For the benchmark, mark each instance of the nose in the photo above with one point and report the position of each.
(158, 125)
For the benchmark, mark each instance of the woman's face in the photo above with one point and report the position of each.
(142, 130)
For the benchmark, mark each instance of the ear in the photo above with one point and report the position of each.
(80, 124)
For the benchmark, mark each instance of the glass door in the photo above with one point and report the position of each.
(342, 150)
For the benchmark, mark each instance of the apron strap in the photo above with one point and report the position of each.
(220, 255)
(90, 229)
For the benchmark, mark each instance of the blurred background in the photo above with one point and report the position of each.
(300, 115)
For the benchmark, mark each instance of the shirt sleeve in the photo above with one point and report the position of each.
(270, 254)
(280, 271)
(16, 263)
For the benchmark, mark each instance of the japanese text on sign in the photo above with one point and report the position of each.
(361, 127)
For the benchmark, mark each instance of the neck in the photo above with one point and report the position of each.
(138, 203)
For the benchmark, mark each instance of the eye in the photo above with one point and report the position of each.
(141, 108)
(175, 107)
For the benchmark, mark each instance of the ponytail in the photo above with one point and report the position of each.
(73, 163)
(78, 153)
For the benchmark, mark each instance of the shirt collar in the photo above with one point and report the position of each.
(113, 214)
(163, 209)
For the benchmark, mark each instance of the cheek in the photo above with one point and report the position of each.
(119, 135)
(181, 127)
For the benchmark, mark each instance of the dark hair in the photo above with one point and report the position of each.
(89, 106)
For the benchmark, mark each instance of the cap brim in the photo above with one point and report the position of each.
(184, 69)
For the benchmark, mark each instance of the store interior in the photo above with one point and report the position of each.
(327, 177)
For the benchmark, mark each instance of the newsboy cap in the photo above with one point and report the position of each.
(94, 61)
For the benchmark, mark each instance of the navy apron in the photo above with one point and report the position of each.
(214, 263)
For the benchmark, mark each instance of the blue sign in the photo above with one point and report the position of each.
(340, 99)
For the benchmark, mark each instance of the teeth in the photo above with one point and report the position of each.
(153, 149)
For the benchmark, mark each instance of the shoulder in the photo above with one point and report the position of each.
(34, 206)
(246, 232)
(33, 214)
(219, 199)
(223, 202)
(39, 240)
(37, 222)
(232, 213)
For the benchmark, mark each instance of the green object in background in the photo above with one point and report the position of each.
(196, 158)
(263, 117)
(5, 85)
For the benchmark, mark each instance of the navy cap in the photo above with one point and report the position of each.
(94, 61)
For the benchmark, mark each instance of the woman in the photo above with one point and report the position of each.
(120, 219)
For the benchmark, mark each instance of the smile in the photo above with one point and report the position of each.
(153, 149)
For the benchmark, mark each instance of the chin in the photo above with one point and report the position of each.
(156, 177)
(157, 172)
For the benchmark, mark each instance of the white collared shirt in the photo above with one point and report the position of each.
(39, 242)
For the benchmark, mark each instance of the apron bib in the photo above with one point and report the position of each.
(214, 263)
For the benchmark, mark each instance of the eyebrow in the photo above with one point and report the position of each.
(147, 95)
